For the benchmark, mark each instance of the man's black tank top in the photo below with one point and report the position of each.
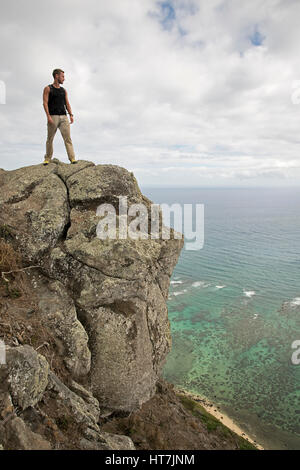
(57, 100)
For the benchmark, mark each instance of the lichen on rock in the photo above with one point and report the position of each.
(28, 375)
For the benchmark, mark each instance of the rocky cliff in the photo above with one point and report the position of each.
(98, 304)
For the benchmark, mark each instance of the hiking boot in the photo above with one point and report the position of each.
(46, 162)
(73, 161)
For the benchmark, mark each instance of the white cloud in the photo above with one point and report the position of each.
(182, 92)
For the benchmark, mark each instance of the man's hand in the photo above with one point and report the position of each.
(71, 119)
(50, 120)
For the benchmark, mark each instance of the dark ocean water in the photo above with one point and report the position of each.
(234, 308)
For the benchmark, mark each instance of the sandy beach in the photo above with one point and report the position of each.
(223, 418)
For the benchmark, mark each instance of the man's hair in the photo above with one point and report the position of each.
(56, 72)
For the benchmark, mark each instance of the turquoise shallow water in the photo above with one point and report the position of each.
(234, 308)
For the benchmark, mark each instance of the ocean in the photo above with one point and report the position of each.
(234, 308)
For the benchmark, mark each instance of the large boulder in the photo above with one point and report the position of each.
(115, 289)
(28, 375)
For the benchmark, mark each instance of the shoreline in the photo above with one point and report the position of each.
(212, 409)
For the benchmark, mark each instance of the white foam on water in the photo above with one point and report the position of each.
(200, 284)
(220, 287)
(249, 293)
(179, 292)
(295, 301)
(176, 282)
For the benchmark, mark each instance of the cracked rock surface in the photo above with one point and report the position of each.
(104, 300)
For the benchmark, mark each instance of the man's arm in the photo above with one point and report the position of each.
(45, 104)
(68, 106)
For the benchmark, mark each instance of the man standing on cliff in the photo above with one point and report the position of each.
(55, 102)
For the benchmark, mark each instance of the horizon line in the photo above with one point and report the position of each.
(219, 187)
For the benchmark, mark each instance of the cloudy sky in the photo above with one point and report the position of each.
(181, 92)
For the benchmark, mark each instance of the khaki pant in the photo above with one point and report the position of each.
(62, 123)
